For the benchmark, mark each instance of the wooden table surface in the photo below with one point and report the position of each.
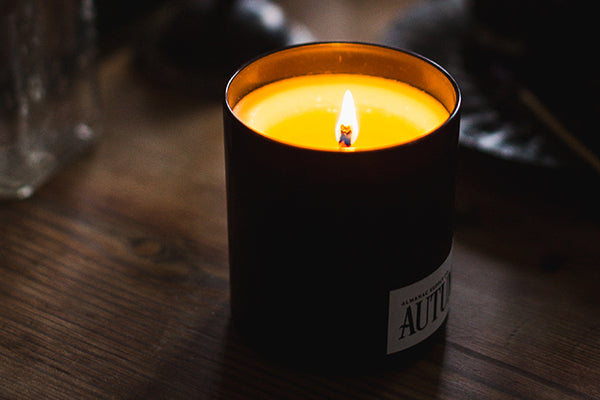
(114, 279)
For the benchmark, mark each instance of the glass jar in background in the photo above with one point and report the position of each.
(49, 96)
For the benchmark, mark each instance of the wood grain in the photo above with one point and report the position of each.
(114, 281)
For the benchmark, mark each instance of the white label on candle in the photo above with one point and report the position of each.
(418, 310)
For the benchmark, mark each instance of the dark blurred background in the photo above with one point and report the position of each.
(524, 66)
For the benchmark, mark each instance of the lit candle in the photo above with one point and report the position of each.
(340, 162)
(302, 111)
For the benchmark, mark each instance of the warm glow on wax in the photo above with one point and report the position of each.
(346, 129)
(305, 111)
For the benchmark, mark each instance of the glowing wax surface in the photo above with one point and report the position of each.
(303, 111)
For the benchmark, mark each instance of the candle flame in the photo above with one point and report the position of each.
(346, 129)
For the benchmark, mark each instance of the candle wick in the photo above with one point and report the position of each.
(346, 135)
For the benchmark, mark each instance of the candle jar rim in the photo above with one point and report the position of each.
(345, 57)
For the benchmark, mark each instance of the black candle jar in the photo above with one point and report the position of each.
(340, 256)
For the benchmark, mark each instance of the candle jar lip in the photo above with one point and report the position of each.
(452, 103)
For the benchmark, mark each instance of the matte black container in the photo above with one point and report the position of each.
(319, 240)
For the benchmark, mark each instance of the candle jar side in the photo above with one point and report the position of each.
(319, 239)
(345, 58)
